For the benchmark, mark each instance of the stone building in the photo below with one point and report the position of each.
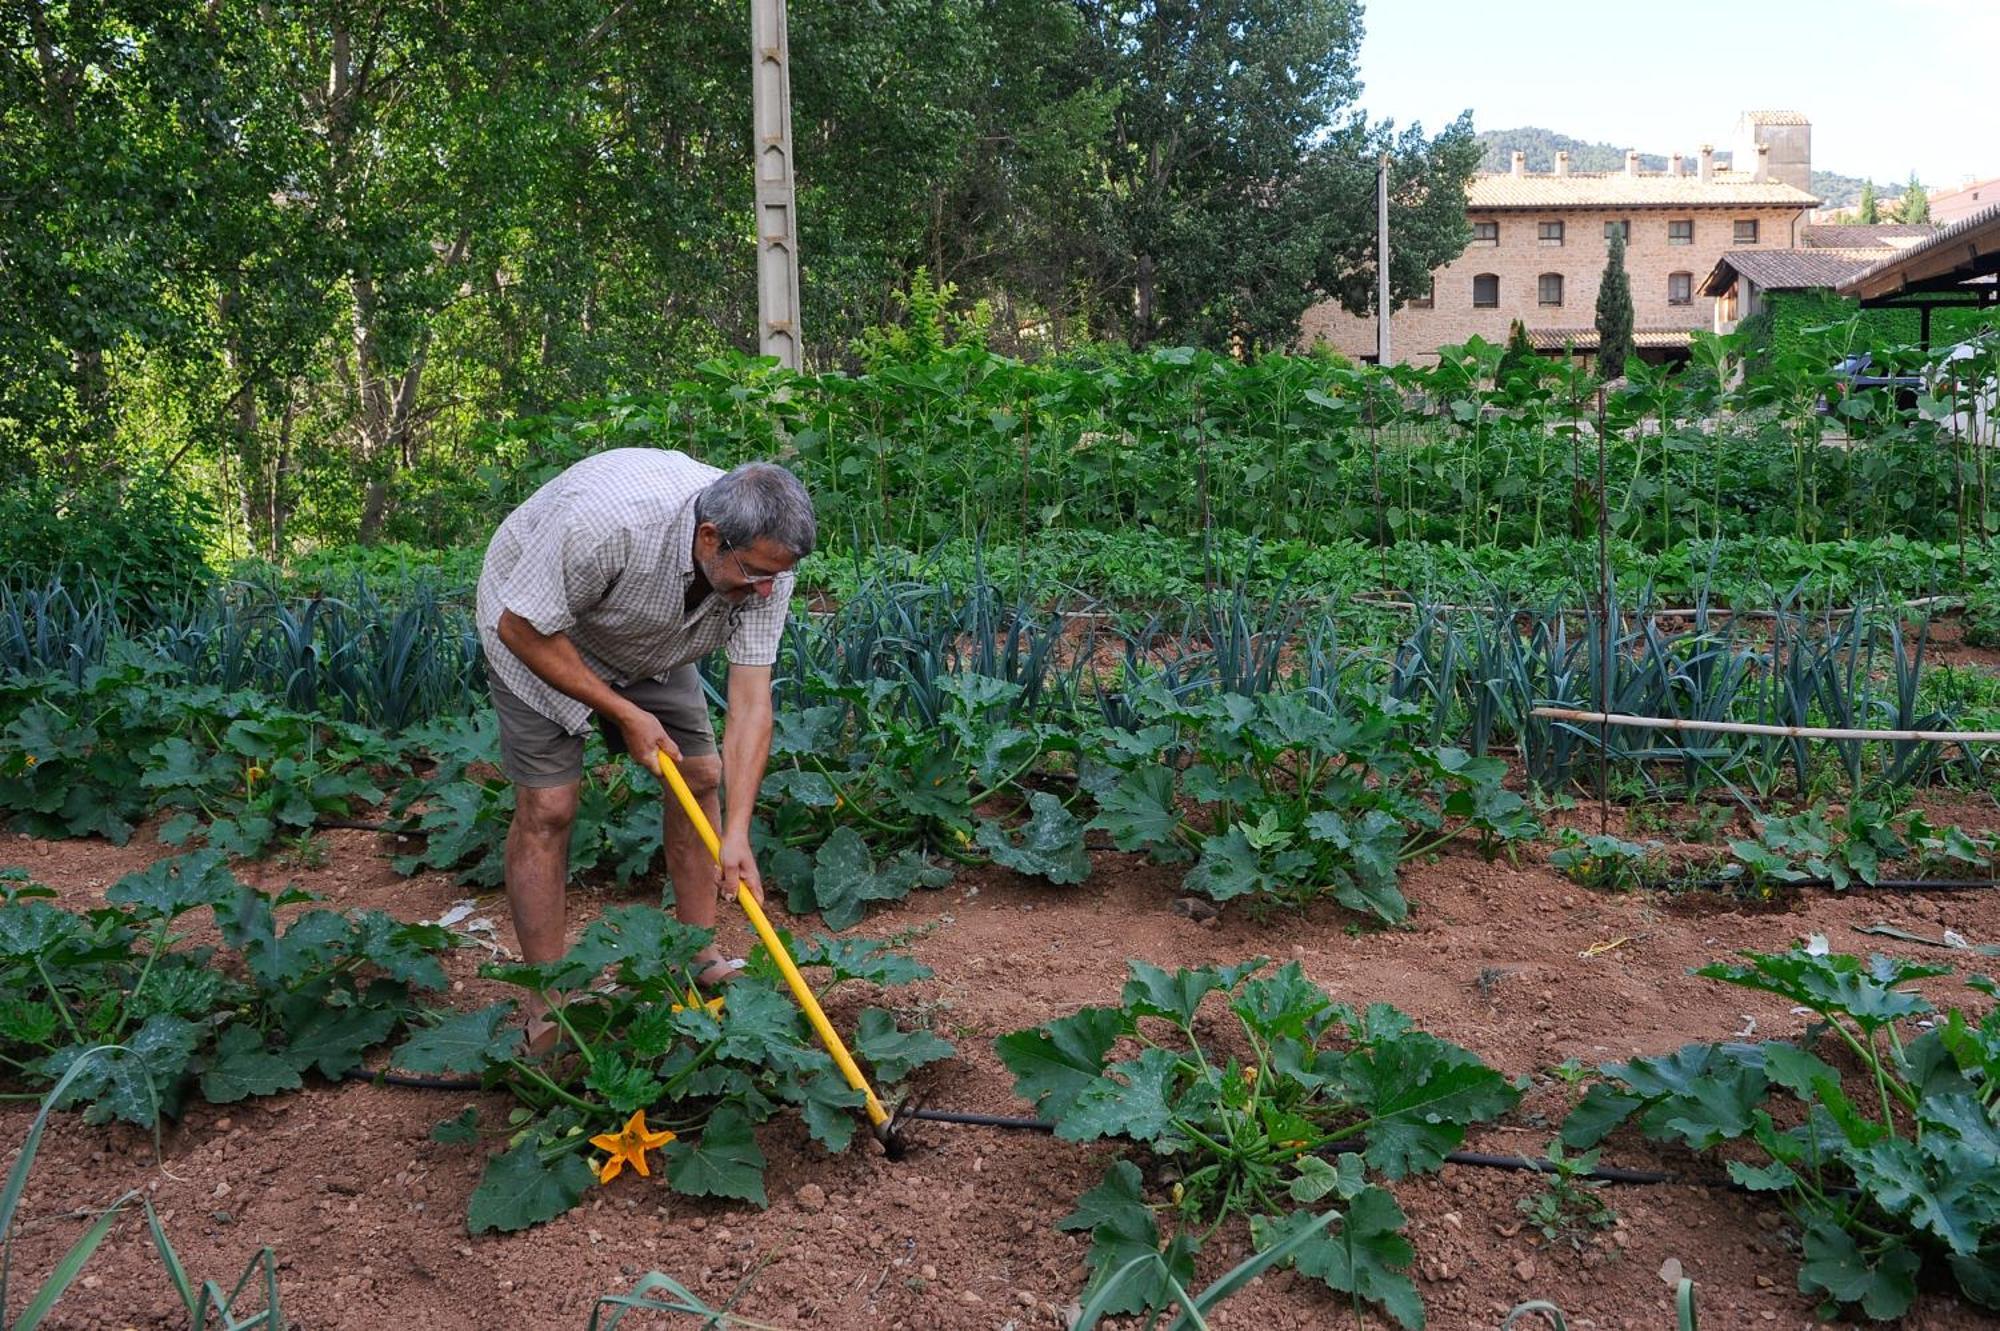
(1540, 239)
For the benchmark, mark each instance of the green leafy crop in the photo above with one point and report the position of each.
(1892, 1168)
(639, 1039)
(1295, 1106)
(311, 996)
(1282, 798)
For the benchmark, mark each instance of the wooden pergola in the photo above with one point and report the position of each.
(1957, 268)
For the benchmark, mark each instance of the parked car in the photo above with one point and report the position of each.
(1853, 375)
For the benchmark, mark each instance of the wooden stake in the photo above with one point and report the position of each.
(1753, 728)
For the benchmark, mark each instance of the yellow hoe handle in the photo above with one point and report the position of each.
(802, 991)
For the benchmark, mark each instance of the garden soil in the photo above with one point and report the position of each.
(367, 1215)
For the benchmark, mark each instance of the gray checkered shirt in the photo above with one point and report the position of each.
(605, 553)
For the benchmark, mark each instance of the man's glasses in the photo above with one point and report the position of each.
(753, 579)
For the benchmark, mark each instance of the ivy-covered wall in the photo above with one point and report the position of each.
(1793, 312)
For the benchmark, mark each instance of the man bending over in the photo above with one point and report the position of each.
(597, 598)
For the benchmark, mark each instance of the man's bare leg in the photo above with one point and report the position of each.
(689, 863)
(537, 869)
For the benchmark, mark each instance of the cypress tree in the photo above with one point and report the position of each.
(1871, 212)
(1518, 354)
(1614, 312)
(1916, 204)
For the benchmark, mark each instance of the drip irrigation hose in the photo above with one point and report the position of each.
(1474, 1159)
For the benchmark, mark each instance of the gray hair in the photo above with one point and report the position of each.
(759, 501)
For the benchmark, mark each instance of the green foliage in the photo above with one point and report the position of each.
(1916, 202)
(1570, 1203)
(639, 1039)
(1868, 212)
(929, 327)
(1519, 357)
(312, 995)
(142, 538)
(1889, 1168)
(1606, 862)
(1614, 311)
(1252, 1135)
(1280, 798)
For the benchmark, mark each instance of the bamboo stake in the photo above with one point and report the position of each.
(1679, 612)
(1753, 728)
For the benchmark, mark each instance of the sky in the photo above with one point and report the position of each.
(1891, 87)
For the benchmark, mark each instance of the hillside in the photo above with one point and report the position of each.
(1542, 145)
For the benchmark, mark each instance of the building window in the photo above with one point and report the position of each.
(1426, 298)
(1486, 291)
(1680, 233)
(1486, 233)
(1623, 228)
(1746, 231)
(1680, 288)
(1549, 289)
(1549, 233)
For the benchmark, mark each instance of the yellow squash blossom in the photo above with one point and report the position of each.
(695, 1000)
(628, 1145)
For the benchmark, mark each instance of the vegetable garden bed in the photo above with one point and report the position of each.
(1517, 964)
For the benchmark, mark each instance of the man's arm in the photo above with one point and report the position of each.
(746, 747)
(555, 660)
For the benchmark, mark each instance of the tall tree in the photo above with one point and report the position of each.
(1870, 212)
(1242, 176)
(1916, 204)
(1614, 311)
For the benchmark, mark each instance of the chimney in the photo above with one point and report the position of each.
(1562, 163)
(1632, 163)
(1673, 164)
(1520, 165)
(1705, 172)
(1762, 170)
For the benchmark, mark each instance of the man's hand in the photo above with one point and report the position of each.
(645, 737)
(738, 864)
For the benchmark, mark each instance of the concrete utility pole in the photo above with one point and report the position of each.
(777, 212)
(1382, 261)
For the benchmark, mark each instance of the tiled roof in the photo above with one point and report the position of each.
(1775, 118)
(1585, 339)
(1615, 189)
(1848, 235)
(1970, 230)
(1790, 270)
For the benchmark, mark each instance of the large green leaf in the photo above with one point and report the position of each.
(1420, 1093)
(1054, 1062)
(1870, 992)
(870, 959)
(723, 1162)
(242, 1067)
(1140, 813)
(1366, 1256)
(892, 1053)
(1122, 1230)
(1882, 1283)
(846, 879)
(333, 1039)
(1895, 1174)
(1132, 1099)
(827, 1105)
(134, 1083)
(1050, 845)
(172, 887)
(520, 1189)
(1152, 991)
(462, 1042)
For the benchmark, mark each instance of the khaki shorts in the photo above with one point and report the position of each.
(535, 751)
